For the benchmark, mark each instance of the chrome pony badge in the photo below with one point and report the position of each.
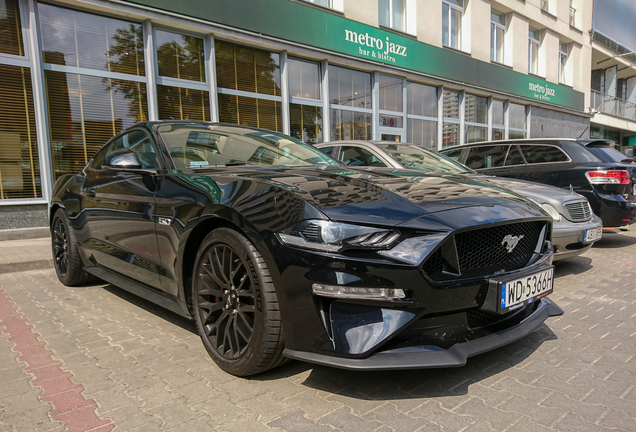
(511, 242)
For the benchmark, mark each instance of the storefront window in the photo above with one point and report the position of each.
(178, 103)
(450, 127)
(180, 56)
(350, 125)
(306, 123)
(422, 115)
(390, 94)
(305, 109)
(83, 40)
(517, 120)
(350, 90)
(498, 120)
(85, 112)
(241, 69)
(19, 165)
(422, 132)
(11, 30)
(476, 118)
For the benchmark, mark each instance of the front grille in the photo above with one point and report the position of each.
(578, 211)
(478, 318)
(481, 252)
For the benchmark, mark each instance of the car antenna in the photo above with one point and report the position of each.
(586, 127)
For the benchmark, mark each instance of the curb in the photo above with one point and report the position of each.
(24, 233)
(26, 266)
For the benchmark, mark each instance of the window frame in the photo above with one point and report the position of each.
(563, 61)
(494, 37)
(460, 9)
(391, 23)
(533, 43)
(521, 145)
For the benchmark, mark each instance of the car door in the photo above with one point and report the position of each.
(119, 207)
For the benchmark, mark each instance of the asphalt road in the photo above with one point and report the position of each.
(97, 358)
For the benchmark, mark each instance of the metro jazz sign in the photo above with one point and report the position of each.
(375, 48)
(542, 92)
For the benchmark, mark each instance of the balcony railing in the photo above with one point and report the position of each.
(611, 105)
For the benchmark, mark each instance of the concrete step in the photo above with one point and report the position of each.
(25, 254)
(24, 233)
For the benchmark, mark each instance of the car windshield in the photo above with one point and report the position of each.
(608, 154)
(414, 157)
(209, 145)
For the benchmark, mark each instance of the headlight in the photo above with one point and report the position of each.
(551, 211)
(336, 236)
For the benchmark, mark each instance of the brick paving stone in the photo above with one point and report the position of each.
(343, 419)
(294, 421)
(432, 411)
(389, 415)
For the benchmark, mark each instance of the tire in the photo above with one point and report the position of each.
(66, 258)
(235, 305)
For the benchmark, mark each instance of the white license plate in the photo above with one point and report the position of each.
(525, 290)
(592, 235)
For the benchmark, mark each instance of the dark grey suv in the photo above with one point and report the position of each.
(593, 168)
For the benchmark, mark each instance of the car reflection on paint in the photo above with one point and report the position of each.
(575, 227)
(277, 251)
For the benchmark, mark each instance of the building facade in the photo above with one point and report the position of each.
(613, 73)
(432, 72)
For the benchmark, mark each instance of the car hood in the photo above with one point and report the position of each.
(541, 193)
(379, 197)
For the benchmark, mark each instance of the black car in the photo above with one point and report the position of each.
(593, 168)
(277, 251)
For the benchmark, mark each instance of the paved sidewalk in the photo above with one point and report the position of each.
(25, 254)
(98, 358)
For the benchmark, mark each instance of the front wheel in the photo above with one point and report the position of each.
(66, 258)
(235, 305)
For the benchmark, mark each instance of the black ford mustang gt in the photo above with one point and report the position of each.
(277, 251)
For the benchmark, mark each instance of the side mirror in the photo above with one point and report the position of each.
(122, 159)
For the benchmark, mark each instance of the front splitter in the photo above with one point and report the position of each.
(427, 358)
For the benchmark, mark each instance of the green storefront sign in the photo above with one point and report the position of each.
(298, 22)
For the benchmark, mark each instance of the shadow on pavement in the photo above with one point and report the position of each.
(419, 383)
(146, 305)
(572, 266)
(612, 240)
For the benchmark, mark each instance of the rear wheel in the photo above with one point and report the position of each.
(235, 305)
(66, 259)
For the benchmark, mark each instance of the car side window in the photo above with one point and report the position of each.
(514, 157)
(535, 154)
(453, 154)
(486, 157)
(327, 150)
(139, 142)
(357, 156)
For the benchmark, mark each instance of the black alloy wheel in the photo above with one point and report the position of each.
(235, 305)
(66, 258)
(60, 247)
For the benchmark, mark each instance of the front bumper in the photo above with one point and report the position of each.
(567, 237)
(424, 357)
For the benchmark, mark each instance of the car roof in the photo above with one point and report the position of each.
(553, 141)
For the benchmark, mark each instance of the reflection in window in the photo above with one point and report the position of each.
(450, 126)
(349, 88)
(19, 165)
(177, 103)
(304, 79)
(390, 94)
(498, 120)
(180, 56)
(422, 100)
(517, 116)
(451, 104)
(85, 40)
(306, 123)
(250, 112)
(86, 111)
(476, 117)
(350, 125)
(247, 69)
(11, 33)
(422, 132)
(450, 134)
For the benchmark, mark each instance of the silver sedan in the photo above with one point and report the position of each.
(575, 227)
